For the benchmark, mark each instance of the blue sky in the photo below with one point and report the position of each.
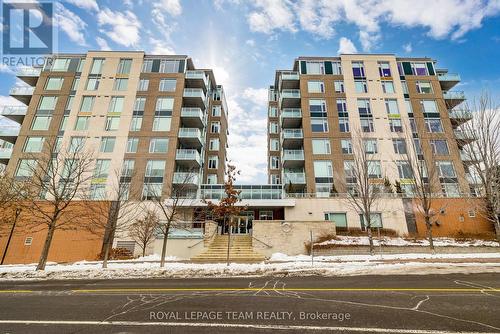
(246, 41)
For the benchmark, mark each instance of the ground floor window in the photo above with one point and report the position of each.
(375, 220)
(339, 218)
(266, 215)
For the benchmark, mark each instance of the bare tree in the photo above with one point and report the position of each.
(56, 182)
(226, 208)
(143, 230)
(366, 191)
(483, 154)
(170, 207)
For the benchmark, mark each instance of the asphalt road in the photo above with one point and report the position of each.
(358, 304)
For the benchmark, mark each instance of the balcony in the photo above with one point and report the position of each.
(191, 137)
(5, 154)
(447, 80)
(289, 80)
(294, 178)
(291, 118)
(15, 113)
(192, 117)
(186, 179)
(194, 97)
(292, 158)
(466, 158)
(9, 133)
(188, 158)
(290, 98)
(292, 138)
(29, 75)
(22, 94)
(463, 137)
(472, 178)
(458, 117)
(196, 79)
(453, 98)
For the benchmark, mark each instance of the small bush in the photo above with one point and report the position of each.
(118, 254)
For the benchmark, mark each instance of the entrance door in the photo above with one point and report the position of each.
(244, 223)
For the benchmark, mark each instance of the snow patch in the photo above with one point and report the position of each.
(390, 241)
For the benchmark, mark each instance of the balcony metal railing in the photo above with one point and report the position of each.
(27, 71)
(463, 135)
(289, 75)
(454, 95)
(291, 113)
(293, 155)
(22, 90)
(292, 133)
(5, 153)
(189, 133)
(9, 131)
(194, 92)
(460, 114)
(14, 110)
(191, 112)
(185, 178)
(187, 154)
(290, 94)
(295, 178)
(449, 77)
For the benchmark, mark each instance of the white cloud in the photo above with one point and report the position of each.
(272, 15)
(256, 95)
(70, 23)
(172, 7)
(408, 48)
(159, 47)
(85, 4)
(103, 44)
(346, 46)
(250, 42)
(5, 69)
(121, 27)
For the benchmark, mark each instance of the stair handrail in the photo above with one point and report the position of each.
(262, 242)
(203, 239)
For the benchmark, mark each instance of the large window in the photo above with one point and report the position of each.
(87, 103)
(446, 169)
(404, 170)
(120, 84)
(321, 146)
(132, 144)
(371, 146)
(26, 167)
(344, 124)
(163, 114)
(112, 123)
(214, 144)
(384, 69)
(367, 124)
(107, 144)
(128, 168)
(116, 104)
(315, 67)
(92, 83)
(395, 125)
(54, 83)
(375, 221)
(274, 162)
(360, 86)
(399, 146)
(124, 66)
(339, 86)
(76, 144)
(346, 145)
(433, 125)
(60, 64)
(101, 170)
(391, 106)
(374, 169)
(167, 85)
(34, 144)
(341, 105)
(215, 127)
(41, 122)
(96, 67)
(419, 69)
(429, 106)
(155, 168)
(364, 107)
(47, 103)
(274, 144)
(317, 108)
(424, 87)
(136, 123)
(439, 147)
(358, 69)
(213, 162)
(315, 87)
(388, 87)
(143, 85)
(158, 145)
(170, 66)
(339, 218)
(319, 124)
(323, 169)
(216, 111)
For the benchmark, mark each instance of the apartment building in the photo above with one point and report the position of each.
(155, 119)
(320, 107)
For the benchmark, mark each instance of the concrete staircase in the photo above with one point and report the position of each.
(241, 250)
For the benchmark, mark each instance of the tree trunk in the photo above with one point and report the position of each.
(18, 212)
(164, 246)
(229, 239)
(106, 254)
(370, 239)
(497, 228)
(46, 246)
(144, 251)
(429, 234)
(110, 231)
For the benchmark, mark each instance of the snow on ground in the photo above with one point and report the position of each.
(279, 264)
(390, 241)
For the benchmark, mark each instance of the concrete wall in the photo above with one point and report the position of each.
(288, 237)
(314, 209)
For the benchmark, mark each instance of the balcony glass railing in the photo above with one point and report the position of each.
(14, 110)
(197, 75)
(22, 90)
(454, 95)
(27, 71)
(194, 92)
(290, 94)
(449, 77)
(216, 191)
(293, 154)
(297, 178)
(291, 113)
(189, 133)
(461, 114)
(289, 75)
(464, 135)
(9, 131)
(187, 154)
(192, 112)
(292, 133)
(185, 178)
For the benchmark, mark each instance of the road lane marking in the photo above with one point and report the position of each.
(230, 325)
(16, 291)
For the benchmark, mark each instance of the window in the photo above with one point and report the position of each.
(116, 104)
(317, 108)
(69, 103)
(472, 213)
(152, 191)
(323, 168)
(339, 86)
(274, 162)
(395, 125)
(212, 179)
(315, 87)
(391, 106)
(360, 86)
(124, 66)
(419, 69)
(371, 146)
(375, 220)
(158, 145)
(60, 64)
(413, 125)
(429, 106)
(97, 192)
(424, 87)
(446, 169)
(399, 146)
(92, 84)
(41, 123)
(168, 85)
(213, 161)
(213, 144)
(364, 107)
(216, 111)
(344, 124)
(170, 66)
(155, 168)
(120, 84)
(127, 168)
(358, 69)
(319, 124)
(147, 65)
(165, 104)
(346, 145)
(163, 114)
(384, 69)
(143, 85)
(433, 125)
(64, 122)
(409, 108)
(112, 123)
(76, 144)
(96, 67)
(54, 83)
(450, 189)
(315, 67)
(47, 103)
(274, 144)
(265, 215)
(341, 106)
(349, 171)
(275, 179)
(162, 123)
(34, 144)
(136, 123)
(366, 124)
(107, 144)
(418, 145)
(404, 170)
(26, 167)
(87, 103)
(405, 86)
(388, 87)
(132, 144)
(321, 146)
(374, 169)
(75, 84)
(28, 241)
(339, 218)
(215, 127)
(439, 147)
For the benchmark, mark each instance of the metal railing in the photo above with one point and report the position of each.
(290, 93)
(449, 77)
(194, 92)
(292, 133)
(291, 113)
(197, 74)
(293, 155)
(185, 178)
(14, 110)
(9, 131)
(460, 114)
(295, 178)
(191, 112)
(464, 135)
(22, 90)
(190, 133)
(27, 71)
(187, 154)
(454, 95)
(289, 75)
